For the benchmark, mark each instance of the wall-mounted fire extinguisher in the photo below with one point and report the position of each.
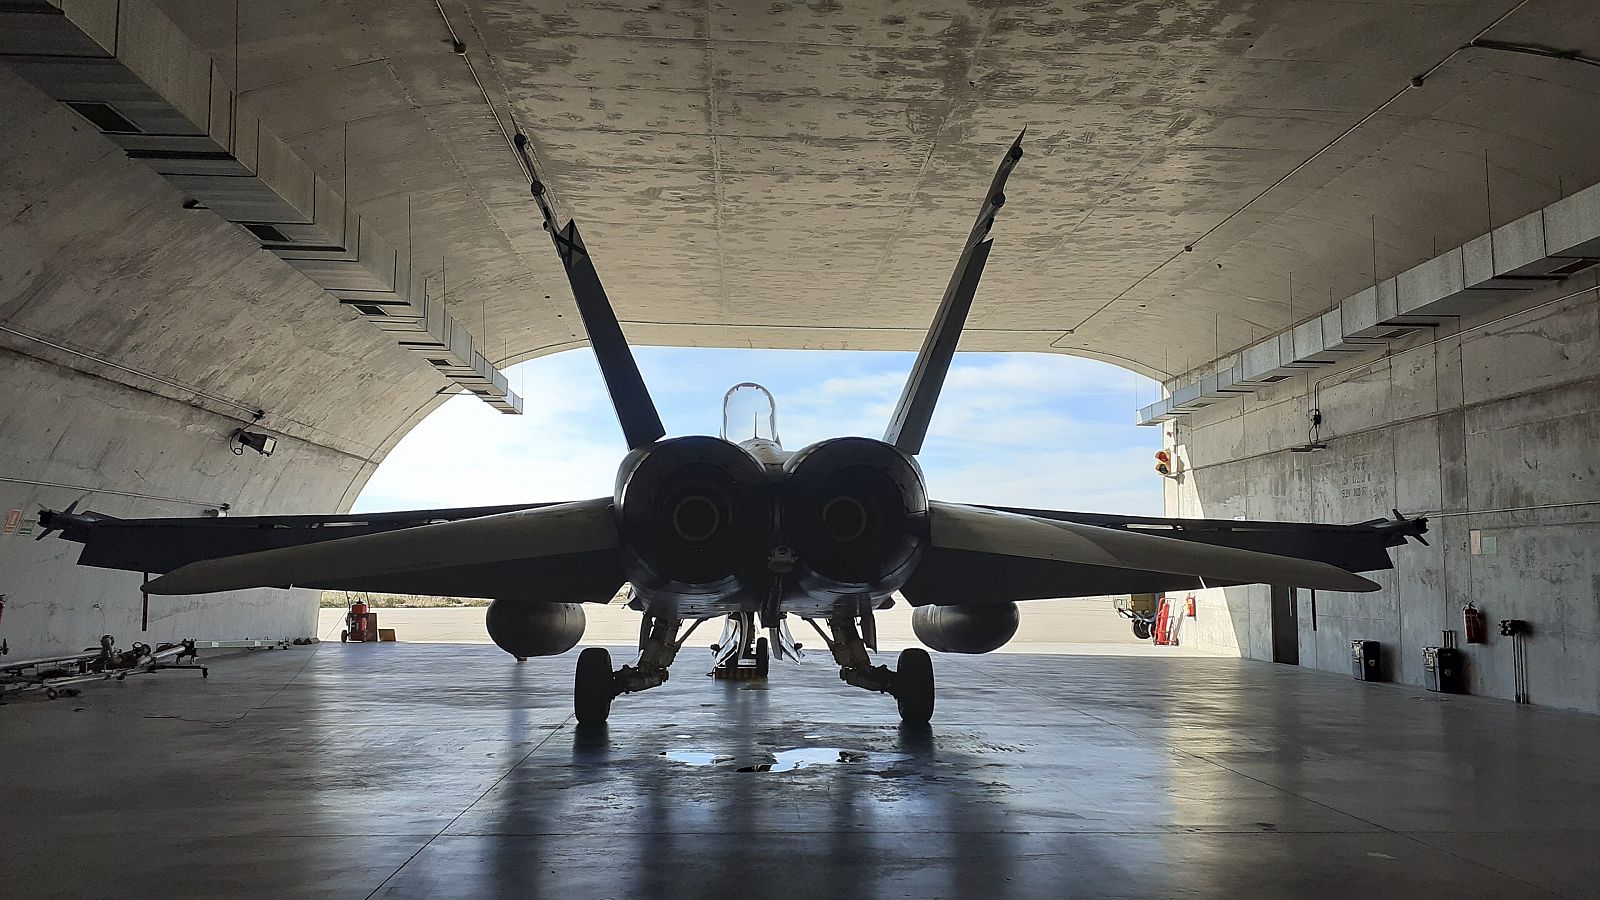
(1474, 624)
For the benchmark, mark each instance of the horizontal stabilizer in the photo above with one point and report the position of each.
(549, 531)
(987, 531)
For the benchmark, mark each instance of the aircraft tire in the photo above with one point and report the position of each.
(592, 691)
(762, 657)
(1141, 630)
(913, 686)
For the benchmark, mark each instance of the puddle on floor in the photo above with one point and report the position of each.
(781, 761)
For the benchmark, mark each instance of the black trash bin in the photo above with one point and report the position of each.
(1442, 671)
(1364, 661)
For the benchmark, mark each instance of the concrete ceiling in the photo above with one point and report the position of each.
(801, 174)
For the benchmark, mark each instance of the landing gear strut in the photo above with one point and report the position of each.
(596, 685)
(910, 682)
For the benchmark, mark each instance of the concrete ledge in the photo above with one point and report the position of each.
(1539, 249)
(136, 77)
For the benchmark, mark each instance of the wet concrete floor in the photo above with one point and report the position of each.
(442, 770)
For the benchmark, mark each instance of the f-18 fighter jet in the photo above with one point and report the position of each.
(739, 528)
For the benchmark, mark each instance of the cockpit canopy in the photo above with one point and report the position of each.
(749, 412)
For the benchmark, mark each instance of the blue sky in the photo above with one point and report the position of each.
(1021, 429)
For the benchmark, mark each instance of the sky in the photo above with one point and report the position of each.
(1015, 429)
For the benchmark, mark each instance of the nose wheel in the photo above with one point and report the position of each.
(739, 653)
(763, 660)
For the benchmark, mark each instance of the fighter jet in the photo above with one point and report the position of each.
(739, 528)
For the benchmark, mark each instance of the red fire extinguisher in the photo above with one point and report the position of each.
(357, 625)
(1474, 624)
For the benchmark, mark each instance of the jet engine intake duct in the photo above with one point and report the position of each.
(693, 511)
(525, 628)
(973, 628)
(856, 513)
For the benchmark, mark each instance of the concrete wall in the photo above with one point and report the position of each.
(109, 436)
(1490, 428)
(135, 336)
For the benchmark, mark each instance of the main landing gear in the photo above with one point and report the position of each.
(597, 685)
(910, 682)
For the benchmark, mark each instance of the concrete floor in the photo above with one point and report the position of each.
(436, 770)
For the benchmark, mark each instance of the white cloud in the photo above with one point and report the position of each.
(1087, 481)
(467, 454)
(1010, 429)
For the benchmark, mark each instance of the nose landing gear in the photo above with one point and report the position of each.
(739, 653)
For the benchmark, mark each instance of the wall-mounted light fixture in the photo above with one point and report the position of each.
(1314, 441)
(263, 444)
(1167, 464)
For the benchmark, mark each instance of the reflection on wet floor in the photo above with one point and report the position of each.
(780, 761)
(695, 757)
(447, 771)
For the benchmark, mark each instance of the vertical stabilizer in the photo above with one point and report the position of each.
(909, 426)
(636, 412)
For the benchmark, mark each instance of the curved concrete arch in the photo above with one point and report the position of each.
(798, 178)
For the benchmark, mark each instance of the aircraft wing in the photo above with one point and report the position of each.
(523, 550)
(1362, 547)
(983, 555)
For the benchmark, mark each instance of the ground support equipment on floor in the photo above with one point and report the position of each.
(54, 674)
